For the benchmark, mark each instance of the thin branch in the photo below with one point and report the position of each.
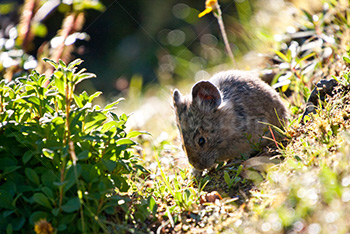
(223, 33)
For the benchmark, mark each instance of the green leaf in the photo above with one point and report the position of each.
(75, 63)
(152, 205)
(76, 120)
(32, 175)
(35, 101)
(123, 117)
(63, 64)
(136, 133)
(62, 227)
(55, 211)
(10, 169)
(67, 220)
(114, 116)
(120, 183)
(84, 76)
(227, 178)
(72, 176)
(308, 15)
(58, 120)
(9, 228)
(111, 165)
(78, 100)
(41, 199)
(7, 162)
(282, 56)
(110, 127)
(8, 213)
(346, 59)
(239, 170)
(102, 187)
(110, 210)
(125, 141)
(36, 216)
(59, 83)
(111, 105)
(83, 155)
(95, 95)
(32, 99)
(94, 120)
(51, 62)
(48, 153)
(27, 156)
(5, 199)
(18, 223)
(48, 192)
(72, 205)
(48, 178)
(90, 173)
(307, 56)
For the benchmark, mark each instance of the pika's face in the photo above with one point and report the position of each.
(201, 138)
(198, 122)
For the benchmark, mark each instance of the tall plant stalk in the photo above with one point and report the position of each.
(213, 6)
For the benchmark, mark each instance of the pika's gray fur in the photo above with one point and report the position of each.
(225, 116)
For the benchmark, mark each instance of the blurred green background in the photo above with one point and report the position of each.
(155, 41)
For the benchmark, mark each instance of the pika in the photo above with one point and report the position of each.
(224, 117)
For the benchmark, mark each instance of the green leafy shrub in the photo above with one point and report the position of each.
(61, 158)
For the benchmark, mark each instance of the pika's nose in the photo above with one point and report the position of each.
(201, 164)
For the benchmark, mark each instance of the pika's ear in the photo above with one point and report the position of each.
(177, 97)
(206, 95)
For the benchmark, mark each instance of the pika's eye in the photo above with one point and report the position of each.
(201, 141)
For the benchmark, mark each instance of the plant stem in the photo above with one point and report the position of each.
(25, 34)
(72, 23)
(61, 180)
(1, 103)
(218, 15)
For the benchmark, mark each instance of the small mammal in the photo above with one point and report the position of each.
(224, 116)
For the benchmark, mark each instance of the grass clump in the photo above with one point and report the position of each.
(309, 191)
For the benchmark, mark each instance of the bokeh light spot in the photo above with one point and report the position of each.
(181, 11)
(176, 37)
